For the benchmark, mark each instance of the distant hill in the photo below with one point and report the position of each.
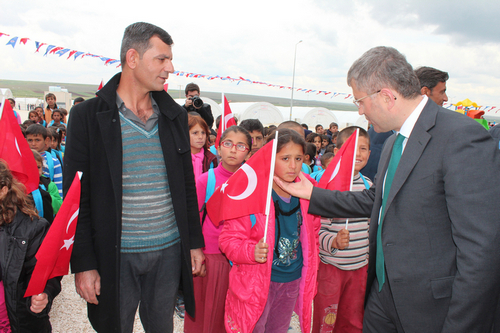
(36, 89)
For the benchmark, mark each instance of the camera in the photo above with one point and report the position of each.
(197, 101)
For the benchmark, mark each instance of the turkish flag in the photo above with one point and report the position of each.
(55, 252)
(245, 192)
(14, 150)
(338, 175)
(225, 122)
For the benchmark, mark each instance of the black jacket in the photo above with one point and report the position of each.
(205, 112)
(94, 146)
(19, 242)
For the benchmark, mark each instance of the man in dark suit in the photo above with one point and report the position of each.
(436, 228)
(138, 232)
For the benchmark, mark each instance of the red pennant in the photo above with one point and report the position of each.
(55, 49)
(245, 192)
(338, 175)
(165, 87)
(55, 252)
(15, 151)
(100, 85)
(225, 122)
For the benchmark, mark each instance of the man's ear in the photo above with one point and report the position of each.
(132, 57)
(335, 150)
(425, 91)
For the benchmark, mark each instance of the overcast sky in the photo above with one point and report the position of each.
(256, 40)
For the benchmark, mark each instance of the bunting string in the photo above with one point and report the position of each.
(60, 51)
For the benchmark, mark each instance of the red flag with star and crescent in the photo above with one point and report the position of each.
(338, 175)
(55, 252)
(245, 192)
(225, 122)
(15, 151)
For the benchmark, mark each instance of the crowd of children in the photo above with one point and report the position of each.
(248, 284)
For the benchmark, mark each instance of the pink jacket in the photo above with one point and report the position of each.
(249, 281)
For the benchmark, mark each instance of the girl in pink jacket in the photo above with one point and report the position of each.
(268, 281)
(210, 290)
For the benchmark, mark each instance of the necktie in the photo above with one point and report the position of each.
(397, 150)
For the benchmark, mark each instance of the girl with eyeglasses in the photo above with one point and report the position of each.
(210, 289)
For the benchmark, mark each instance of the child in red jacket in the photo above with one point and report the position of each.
(269, 280)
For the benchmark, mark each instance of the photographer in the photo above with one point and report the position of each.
(195, 103)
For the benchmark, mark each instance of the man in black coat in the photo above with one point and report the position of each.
(195, 104)
(113, 273)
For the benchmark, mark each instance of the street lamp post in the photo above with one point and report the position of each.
(293, 78)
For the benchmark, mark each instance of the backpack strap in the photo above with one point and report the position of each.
(210, 190)
(50, 165)
(365, 181)
(37, 198)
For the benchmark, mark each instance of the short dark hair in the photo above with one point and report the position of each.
(333, 124)
(310, 150)
(325, 157)
(311, 136)
(36, 129)
(252, 125)
(78, 100)
(58, 111)
(347, 132)
(316, 127)
(429, 77)
(304, 125)
(191, 87)
(290, 124)
(137, 36)
(50, 95)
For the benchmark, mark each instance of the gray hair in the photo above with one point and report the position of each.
(137, 36)
(382, 67)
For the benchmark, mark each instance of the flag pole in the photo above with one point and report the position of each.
(270, 186)
(1, 108)
(352, 171)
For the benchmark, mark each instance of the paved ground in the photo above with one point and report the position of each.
(69, 313)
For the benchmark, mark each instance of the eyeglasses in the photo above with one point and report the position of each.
(356, 102)
(239, 146)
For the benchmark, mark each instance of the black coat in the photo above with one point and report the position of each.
(20, 241)
(94, 146)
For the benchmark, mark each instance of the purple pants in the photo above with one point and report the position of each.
(279, 307)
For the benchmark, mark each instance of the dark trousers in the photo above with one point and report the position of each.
(149, 280)
(380, 312)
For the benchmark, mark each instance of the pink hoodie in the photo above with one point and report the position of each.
(249, 281)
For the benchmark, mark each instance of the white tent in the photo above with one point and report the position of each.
(362, 122)
(267, 113)
(5, 93)
(318, 116)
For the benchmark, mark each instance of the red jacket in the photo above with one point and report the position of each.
(249, 281)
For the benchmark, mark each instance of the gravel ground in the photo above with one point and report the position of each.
(69, 313)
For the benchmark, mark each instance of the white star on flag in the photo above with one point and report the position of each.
(68, 243)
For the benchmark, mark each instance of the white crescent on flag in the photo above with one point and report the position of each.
(336, 171)
(73, 217)
(17, 147)
(227, 117)
(252, 183)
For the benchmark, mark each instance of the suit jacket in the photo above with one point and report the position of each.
(441, 233)
(94, 146)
